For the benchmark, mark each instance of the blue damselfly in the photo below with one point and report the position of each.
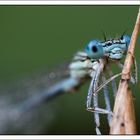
(88, 64)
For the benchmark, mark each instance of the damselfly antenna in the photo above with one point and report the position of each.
(104, 35)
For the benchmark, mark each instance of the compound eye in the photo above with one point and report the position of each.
(94, 49)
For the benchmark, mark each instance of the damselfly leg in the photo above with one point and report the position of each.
(94, 84)
(113, 82)
(96, 116)
(107, 100)
(93, 106)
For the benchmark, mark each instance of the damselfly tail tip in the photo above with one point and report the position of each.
(104, 35)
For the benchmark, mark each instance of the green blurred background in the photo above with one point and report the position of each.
(37, 37)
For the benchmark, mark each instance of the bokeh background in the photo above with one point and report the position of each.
(38, 38)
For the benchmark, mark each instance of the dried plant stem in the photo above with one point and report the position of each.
(123, 114)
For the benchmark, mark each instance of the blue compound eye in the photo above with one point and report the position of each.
(94, 49)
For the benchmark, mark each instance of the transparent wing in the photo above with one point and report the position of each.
(37, 81)
(15, 92)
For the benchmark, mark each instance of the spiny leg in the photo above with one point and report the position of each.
(98, 110)
(89, 97)
(105, 83)
(133, 80)
(95, 108)
(93, 85)
(95, 104)
(92, 89)
(107, 100)
(96, 115)
(113, 82)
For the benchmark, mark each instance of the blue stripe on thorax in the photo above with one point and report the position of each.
(113, 42)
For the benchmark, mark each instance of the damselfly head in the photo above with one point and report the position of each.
(94, 49)
(113, 49)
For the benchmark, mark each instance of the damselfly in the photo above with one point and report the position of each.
(91, 63)
(88, 64)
